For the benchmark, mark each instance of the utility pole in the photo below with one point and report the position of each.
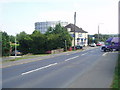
(99, 31)
(74, 28)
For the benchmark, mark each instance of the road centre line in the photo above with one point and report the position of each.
(84, 54)
(39, 68)
(71, 58)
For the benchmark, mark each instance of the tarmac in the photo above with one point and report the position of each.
(33, 58)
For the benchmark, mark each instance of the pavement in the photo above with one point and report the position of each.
(89, 68)
(35, 58)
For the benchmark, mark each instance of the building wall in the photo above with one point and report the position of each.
(80, 38)
(43, 26)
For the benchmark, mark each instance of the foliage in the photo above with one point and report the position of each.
(12, 38)
(5, 44)
(37, 42)
(34, 43)
(56, 37)
(20, 36)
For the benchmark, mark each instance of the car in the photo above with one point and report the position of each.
(93, 45)
(77, 47)
(18, 53)
(100, 44)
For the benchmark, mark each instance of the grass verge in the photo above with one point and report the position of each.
(116, 81)
(25, 57)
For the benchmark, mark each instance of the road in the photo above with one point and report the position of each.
(86, 69)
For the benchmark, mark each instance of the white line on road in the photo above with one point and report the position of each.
(83, 54)
(39, 68)
(105, 54)
(71, 58)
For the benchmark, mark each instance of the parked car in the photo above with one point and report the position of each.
(18, 53)
(77, 47)
(100, 44)
(93, 45)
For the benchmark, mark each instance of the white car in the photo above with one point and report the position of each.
(93, 45)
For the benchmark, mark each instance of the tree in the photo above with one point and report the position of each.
(38, 42)
(24, 42)
(20, 36)
(5, 44)
(57, 37)
(12, 38)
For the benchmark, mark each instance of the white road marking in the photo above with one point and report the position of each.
(71, 58)
(68, 54)
(83, 54)
(39, 68)
(105, 54)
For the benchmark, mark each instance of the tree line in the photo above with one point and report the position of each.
(37, 43)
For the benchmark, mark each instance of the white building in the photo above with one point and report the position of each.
(43, 26)
(81, 36)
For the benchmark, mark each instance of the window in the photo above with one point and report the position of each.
(80, 35)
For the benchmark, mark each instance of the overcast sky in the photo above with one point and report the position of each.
(20, 15)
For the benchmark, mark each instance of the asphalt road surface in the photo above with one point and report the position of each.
(86, 69)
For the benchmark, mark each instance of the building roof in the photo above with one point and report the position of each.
(77, 29)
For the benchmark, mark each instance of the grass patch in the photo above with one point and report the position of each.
(25, 57)
(116, 81)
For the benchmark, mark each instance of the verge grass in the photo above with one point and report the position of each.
(116, 80)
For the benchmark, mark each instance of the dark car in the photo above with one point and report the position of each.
(77, 47)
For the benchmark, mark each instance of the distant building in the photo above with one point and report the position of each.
(81, 36)
(43, 26)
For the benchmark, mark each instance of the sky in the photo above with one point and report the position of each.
(20, 15)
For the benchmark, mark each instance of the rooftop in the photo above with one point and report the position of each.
(77, 29)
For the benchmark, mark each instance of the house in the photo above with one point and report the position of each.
(81, 36)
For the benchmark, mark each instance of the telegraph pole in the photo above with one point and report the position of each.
(74, 28)
(99, 31)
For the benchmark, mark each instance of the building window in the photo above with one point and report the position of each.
(80, 35)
